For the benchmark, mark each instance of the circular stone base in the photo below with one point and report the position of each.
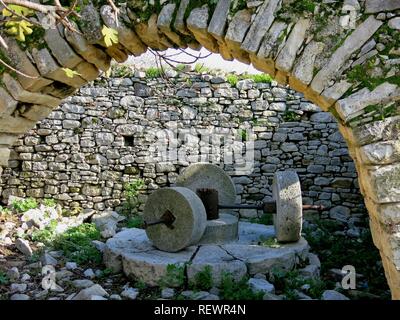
(132, 252)
(225, 229)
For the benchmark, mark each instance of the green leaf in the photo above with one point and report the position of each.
(110, 36)
(17, 9)
(70, 73)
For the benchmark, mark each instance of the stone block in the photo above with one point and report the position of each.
(19, 94)
(262, 22)
(126, 37)
(197, 23)
(61, 50)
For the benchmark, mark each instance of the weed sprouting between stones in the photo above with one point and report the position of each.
(237, 290)
(336, 251)
(175, 276)
(287, 282)
(75, 242)
(203, 280)
(3, 278)
(23, 205)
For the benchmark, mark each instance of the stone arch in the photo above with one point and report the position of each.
(340, 55)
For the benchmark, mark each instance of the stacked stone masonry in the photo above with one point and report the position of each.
(85, 150)
(344, 57)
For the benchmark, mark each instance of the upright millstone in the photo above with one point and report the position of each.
(208, 176)
(188, 218)
(289, 208)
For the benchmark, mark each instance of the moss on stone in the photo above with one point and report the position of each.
(236, 6)
(360, 74)
(389, 37)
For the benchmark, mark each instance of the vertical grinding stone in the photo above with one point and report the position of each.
(287, 194)
(190, 218)
(207, 175)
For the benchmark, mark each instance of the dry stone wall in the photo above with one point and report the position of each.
(84, 152)
(343, 55)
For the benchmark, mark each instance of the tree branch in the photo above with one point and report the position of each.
(36, 6)
(19, 15)
(17, 71)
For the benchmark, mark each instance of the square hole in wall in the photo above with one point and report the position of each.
(129, 141)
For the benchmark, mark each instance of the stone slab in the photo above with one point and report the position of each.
(7, 103)
(23, 64)
(22, 95)
(164, 22)
(374, 6)
(352, 106)
(263, 21)
(88, 51)
(197, 23)
(263, 259)
(287, 55)
(126, 37)
(151, 267)
(219, 262)
(61, 50)
(48, 67)
(151, 36)
(251, 233)
(235, 34)
(352, 43)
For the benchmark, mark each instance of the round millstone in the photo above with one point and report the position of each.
(221, 230)
(289, 212)
(209, 176)
(188, 212)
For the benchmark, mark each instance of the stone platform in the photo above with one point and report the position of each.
(131, 252)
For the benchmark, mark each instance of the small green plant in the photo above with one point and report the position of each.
(175, 276)
(180, 67)
(46, 235)
(201, 68)
(105, 273)
(76, 242)
(24, 205)
(121, 71)
(262, 78)
(270, 242)
(49, 202)
(289, 281)
(131, 192)
(336, 251)
(243, 134)
(291, 116)
(203, 280)
(232, 79)
(77, 130)
(135, 221)
(237, 290)
(3, 278)
(153, 73)
(35, 257)
(140, 285)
